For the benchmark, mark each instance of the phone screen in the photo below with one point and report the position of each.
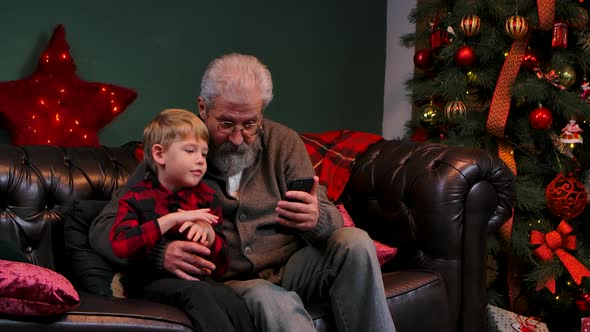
(301, 184)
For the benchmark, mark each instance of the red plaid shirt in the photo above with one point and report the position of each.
(136, 229)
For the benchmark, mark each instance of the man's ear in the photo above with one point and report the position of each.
(158, 154)
(202, 107)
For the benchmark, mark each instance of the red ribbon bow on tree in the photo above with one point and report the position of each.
(552, 76)
(555, 242)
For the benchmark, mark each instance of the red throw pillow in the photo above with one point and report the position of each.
(384, 252)
(31, 290)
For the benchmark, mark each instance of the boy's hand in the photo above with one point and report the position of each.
(197, 215)
(199, 231)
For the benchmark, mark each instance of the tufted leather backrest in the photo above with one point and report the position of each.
(37, 184)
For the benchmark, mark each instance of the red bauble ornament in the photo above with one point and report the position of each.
(55, 107)
(465, 56)
(566, 197)
(423, 58)
(541, 118)
(516, 27)
(470, 25)
(530, 60)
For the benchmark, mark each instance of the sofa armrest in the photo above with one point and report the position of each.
(436, 204)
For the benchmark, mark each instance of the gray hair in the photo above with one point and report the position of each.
(234, 74)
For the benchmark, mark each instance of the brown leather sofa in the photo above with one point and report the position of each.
(435, 203)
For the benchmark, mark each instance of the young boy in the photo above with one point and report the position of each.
(172, 202)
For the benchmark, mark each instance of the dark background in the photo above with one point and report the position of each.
(327, 57)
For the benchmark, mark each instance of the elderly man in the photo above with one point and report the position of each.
(286, 248)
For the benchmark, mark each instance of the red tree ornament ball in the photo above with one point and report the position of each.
(465, 56)
(423, 58)
(566, 197)
(541, 118)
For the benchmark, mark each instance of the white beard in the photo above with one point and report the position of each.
(231, 159)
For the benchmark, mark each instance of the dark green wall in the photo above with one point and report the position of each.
(327, 58)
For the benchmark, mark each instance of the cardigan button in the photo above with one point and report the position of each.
(28, 249)
(243, 217)
(247, 250)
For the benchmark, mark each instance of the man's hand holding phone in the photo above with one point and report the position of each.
(300, 208)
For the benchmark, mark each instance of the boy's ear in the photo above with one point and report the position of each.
(158, 154)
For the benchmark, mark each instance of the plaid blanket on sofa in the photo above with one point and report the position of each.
(332, 154)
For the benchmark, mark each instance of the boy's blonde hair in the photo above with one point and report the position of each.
(168, 126)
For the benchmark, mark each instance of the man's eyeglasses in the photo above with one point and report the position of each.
(248, 129)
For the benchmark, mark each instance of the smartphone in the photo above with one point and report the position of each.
(300, 184)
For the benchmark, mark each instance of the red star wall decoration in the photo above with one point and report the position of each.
(55, 107)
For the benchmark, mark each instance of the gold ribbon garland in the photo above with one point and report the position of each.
(498, 115)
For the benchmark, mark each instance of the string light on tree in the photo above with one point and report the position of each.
(530, 60)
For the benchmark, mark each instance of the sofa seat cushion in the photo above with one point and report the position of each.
(101, 313)
(409, 294)
(423, 294)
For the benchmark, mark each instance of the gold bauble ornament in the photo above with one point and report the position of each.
(429, 116)
(470, 25)
(516, 26)
(566, 76)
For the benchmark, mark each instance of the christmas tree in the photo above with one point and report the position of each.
(512, 77)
